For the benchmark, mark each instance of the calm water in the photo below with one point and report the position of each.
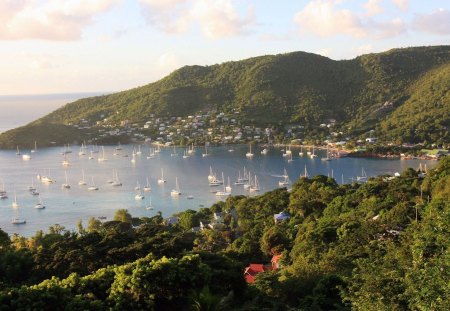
(66, 207)
(18, 110)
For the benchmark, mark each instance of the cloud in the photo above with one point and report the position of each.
(373, 7)
(437, 22)
(322, 18)
(402, 4)
(215, 18)
(48, 19)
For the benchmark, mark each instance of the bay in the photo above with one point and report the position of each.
(67, 206)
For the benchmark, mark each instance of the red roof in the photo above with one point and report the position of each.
(252, 270)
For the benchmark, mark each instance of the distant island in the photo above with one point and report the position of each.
(395, 98)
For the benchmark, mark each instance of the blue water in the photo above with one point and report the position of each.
(66, 207)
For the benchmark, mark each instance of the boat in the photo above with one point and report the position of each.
(39, 205)
(139, 196)
(151, 153)
(32, 187)
(211, 175)
(34, 192)
(92, 187)
(149, 206)
(174, 153)
(66, 161)
(190, 197)
(285, 182)
(161, 180)
(66, 184)
(288, 150)
(224, 193)
(239, 180)
(249, 154)
(290, 159)
(103, 157)
(119, 147)
(264, 151)
(228, 187)
(18, 221)
(147, 187)
(35, 148)
(248, 182)
(305, 174)
(176, 192)
(82, 150)
(158, 148)
(15, 204)
(91, 157)
(191, 150)
(138, 186)
(139, 152)
(301, 151)
(363, 177)
(186, 154)
(328, 157)
(26, 157)
(82, 182)
(46, 180)
(313, 155)
(116, 182)
(17, 150)
(255, 187)
(206, 154)
(133, 159)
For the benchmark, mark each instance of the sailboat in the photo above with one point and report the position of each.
(288, 150)
(363, 177)
(39, 205)
(91, 157)
(92, 187)
(313, 155)
(249, 154)
(248, 182)
(285, 182)
(174, 153)
(255, 187)
(138, 186)
(204, 155)
(103, 157)
(35, 147)
(191, 150)
(139, 150)
(66, 161)
(147, 187)
(327, 158)
(32, 187)
(301, 151)
(149, 206)
(151, 153)
(228, 187)
(264, 151)
(161, 180)
(82, 182)
(66, 184)
(239, 180)
(116, 182)
(133, 159)
(15, 204)
(224, 192)
(17, 150)
(186, 154)
(306, 175)
(176, 192)
(119, 147)
(26, 157)
(139, 196)
(290, 159)
(158, 148)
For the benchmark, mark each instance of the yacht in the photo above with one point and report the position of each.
(92, 187)
(14, 203)
(149, 206)
(39, 205)
(249, 154)
(147, 187)
(264, 151)
(82, 182)
(66, 184)
(175, 192)
(18, 221)
(161, 180)
(103, 157)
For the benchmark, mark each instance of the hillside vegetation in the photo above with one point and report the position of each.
(381, 245)
(298, 87)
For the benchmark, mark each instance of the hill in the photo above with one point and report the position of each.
(300, 88)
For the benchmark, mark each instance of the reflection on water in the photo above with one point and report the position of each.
(67, 206)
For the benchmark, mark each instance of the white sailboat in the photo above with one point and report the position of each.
(39, 205)
(191, 150)
(239, 180)
(82, 182)
(103, 157)
(119, 147)
(149, 206)
(66, 161)
(66, 184)
(264, 151)
(176, 192)
(158, 148)
(228, 187)
(116, 181)
(147, 187)
(92, 187)
(363, 177)
(206, 154)
(285, 182)
(139, 150)
(138, 186)
(174, 153)
(161, 180)
(133, 158)
(151, 153)
(18, 221)
(17, 150)
(248, 183)
(313, 155)
(35, 147)
(301, 151)
(255, 187)
(249, 154)
(186, 154)
(139, 196)
(32, 187)
(224, 192)
(26, 157)
(290, 159)
(91, 157)
(327, 158)
(15, 204)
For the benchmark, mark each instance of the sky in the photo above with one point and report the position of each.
(67, 46)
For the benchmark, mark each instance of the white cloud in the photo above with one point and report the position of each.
(216, 18)
(322, 18)
(48, 19)
(373, 7)
(402, 4)
(437, 22)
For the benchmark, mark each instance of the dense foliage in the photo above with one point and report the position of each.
(294, 88)
(381, 245)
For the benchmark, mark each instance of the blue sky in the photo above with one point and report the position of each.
(56, 46)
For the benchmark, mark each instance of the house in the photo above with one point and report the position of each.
(171, 221)
(371, 140)
(218, 217)
(281, 217)
(254, 269)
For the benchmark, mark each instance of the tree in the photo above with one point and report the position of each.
(123, 216)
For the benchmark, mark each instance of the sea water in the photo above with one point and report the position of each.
(67, 206)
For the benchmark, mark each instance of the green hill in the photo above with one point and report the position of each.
(297, 87)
